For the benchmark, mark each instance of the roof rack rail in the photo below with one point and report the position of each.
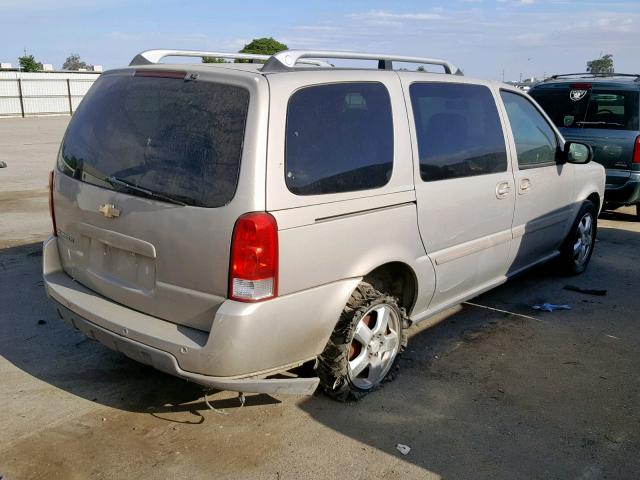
(286, 60)
(150, 57)
(593, 75)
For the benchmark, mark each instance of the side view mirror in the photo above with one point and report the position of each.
(579, 153)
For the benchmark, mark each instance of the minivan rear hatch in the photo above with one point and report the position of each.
(146, 170)
(601, 114)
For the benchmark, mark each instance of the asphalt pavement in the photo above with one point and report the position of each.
(483, 395)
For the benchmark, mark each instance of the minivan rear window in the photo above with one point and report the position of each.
(162, 137)
(582, 107)
(339, 138)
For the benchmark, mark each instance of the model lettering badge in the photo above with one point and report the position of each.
(109, 210)
(577, 95)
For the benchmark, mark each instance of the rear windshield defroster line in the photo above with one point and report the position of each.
(167, 139)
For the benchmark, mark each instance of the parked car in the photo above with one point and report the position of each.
(229, 222)
(602, 111)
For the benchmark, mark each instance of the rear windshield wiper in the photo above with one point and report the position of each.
(600, 123)
(150, 193)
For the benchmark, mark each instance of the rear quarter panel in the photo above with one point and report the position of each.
(326, 238)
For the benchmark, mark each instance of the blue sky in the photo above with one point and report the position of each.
(483, 37)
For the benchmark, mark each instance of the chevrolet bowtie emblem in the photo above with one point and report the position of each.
(109, 210)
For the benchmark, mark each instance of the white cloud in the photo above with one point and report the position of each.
(528, 40)
(315, 28)
(384, 15)
(482, 37)
(484, 42)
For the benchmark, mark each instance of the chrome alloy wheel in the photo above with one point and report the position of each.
(583, 239)
(375, 344)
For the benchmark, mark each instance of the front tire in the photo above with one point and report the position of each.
(578, 247)
(364, 348)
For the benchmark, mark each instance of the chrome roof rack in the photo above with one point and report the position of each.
(154, 56)
(286, 60)
(150, 57)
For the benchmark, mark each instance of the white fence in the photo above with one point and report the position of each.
(43, 93)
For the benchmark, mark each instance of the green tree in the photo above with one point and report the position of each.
(212, 60)
(263, 46)
(29, 64)
(73, 62)
(603, 64)
(421, 69)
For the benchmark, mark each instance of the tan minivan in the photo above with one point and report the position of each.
(229, 222)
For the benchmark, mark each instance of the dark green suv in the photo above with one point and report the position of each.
(602, 111)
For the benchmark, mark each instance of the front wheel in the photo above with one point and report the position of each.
(364, 348)
(578, 247)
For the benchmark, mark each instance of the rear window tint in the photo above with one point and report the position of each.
(339, 138)
(590, 108)
(179, 139)
(458, 131)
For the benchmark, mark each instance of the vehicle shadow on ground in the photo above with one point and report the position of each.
(618, 215)
(35, 340)
(482, 395)
(490, 395)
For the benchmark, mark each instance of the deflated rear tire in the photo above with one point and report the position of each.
(578, 247)
(365, 346)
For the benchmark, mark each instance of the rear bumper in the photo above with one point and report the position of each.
(247, 343)
(167, 363)
(626, 193)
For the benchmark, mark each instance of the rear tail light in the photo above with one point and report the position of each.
(636, 150)
(51, 210)
(253, 267)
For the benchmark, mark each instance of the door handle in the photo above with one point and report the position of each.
(502, 190)
(524, 186)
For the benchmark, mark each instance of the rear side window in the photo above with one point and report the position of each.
(339, 138)
(160, 137)
(583, 107)
(536, 142)
(458, 131)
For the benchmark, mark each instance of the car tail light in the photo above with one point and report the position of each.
(636, 150)
(51, 210)
(253, 267)
(581, 86)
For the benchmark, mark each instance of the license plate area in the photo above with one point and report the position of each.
(122, 267)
